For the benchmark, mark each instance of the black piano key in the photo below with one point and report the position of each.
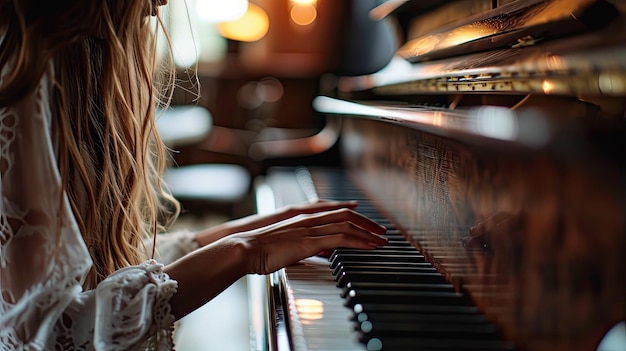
(394, 234)
(399, 317)
(394, 248)
(340, 270)
(395, 286)
(392, 231)
(375, 257)
(390, 263)
(399, 241)
(418, 307)
(397, 236)
(386, 265)
(432, 344)
(390, 277)
(369, 330)
(398, 244)
(405, 297)
(379, 252)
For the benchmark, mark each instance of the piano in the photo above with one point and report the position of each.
(491, 144)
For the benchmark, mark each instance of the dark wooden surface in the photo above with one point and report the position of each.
(536, 238)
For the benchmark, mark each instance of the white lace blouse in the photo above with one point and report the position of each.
(42, 305)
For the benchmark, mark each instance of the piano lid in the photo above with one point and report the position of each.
(592, 63)
(519, 23)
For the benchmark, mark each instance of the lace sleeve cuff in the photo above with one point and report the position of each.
(128, 301)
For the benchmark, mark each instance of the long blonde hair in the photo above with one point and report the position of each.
(109, 152)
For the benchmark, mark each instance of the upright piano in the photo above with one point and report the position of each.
(492, 144)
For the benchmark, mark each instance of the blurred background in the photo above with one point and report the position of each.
(258, 64)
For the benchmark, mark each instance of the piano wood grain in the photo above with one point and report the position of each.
(536, 238)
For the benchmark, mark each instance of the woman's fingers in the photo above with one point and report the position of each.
(320, 206)
(268, 254)
(274, 247)
(351, 231)
(336, 216)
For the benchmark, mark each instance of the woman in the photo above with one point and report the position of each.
(80, 160)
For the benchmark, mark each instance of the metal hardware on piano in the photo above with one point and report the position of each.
(493, 146)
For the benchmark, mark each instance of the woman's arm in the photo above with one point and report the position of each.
(206, 272)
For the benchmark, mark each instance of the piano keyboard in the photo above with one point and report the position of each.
(390, 298)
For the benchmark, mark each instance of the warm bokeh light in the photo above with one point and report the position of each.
(183, 22)
(252, 26)
(309, 309)
(547, 87)
(304, 2)
(219, 11)
(437, 118)
(612, 83)
(303, 14)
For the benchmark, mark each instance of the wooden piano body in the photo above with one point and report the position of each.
(499, 159)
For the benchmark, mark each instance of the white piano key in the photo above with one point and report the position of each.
(320, 321)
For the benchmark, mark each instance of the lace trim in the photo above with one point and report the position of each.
(130, 310)
(8, 132)
(121, 321)
(163, 317)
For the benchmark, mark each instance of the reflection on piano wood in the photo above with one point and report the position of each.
(390, 298)
(498, 163)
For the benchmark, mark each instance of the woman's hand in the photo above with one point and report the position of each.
(206, 272)
(273, 247)
(258, 221)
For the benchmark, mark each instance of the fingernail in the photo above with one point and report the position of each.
(373, 244)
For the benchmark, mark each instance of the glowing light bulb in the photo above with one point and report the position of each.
(216, 11)
(252, 26)
(303, 14)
